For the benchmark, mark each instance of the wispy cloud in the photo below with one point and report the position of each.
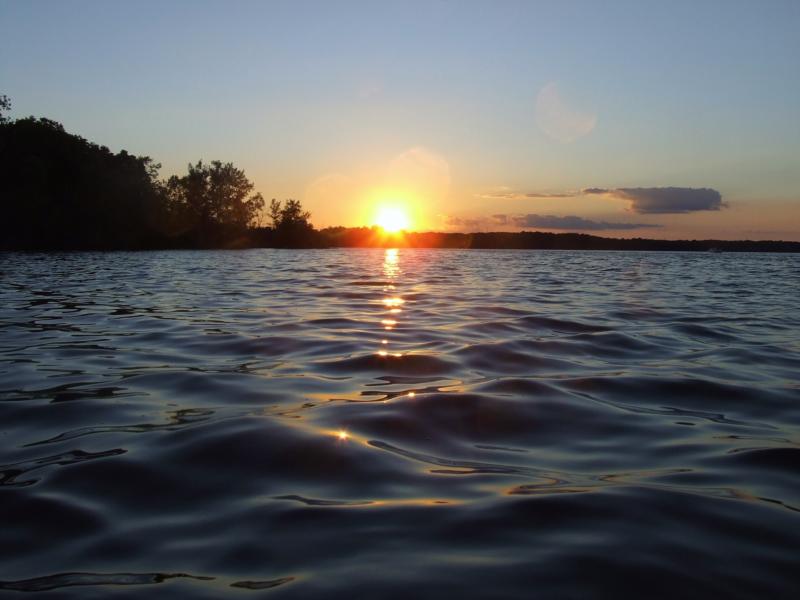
(546, 195)
(566, 223)
(507, 194)
(470, 224)
(573, 222)
(643, 200)
(663, 200)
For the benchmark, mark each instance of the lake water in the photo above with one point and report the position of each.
(394, 424)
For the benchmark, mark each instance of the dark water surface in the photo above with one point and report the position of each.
(537, 424)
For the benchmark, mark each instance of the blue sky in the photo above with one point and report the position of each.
(461, 109)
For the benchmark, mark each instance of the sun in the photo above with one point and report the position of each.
(392, 218)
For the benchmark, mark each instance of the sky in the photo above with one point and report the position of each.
(627, 119)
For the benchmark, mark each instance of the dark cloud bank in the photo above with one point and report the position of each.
(644, 200)
(665, 200)
(574, 222)
(567, 222)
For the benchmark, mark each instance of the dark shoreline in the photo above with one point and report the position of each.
(363, 237)
(537, 240)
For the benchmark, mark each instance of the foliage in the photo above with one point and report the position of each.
(275, 213)
(211, 197)
(289, 216)
(5, 104)
(60, 191)
(291, 225)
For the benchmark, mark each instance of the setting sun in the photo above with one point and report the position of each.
(392, 218)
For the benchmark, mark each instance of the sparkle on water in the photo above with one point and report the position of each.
(527, 417)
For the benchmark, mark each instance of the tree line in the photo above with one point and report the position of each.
(60, 191)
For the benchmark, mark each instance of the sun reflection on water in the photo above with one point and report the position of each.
(391, 269)
(391, 304)
(391, 263)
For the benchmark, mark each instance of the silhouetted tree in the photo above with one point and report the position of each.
(5, 104)
(212, 201)
(291, 225)
(59, 191)
(293, 215)
(275, 213)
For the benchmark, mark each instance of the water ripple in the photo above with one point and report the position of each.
(370, 423)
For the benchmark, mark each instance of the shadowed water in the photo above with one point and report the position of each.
(369, 423)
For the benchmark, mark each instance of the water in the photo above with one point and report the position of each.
(537, 424)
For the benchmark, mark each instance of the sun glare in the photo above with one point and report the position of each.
(392, 219)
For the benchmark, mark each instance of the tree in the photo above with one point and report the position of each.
(60, 191)
(5, 104)
(212, 197)
(275, 213)
(293, 215)
(291, 225)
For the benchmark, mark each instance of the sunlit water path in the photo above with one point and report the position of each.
(370, 423)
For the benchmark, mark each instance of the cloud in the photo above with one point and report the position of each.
(557, 119)
(546, 195)
(569, 222)
(463, 223)
(481, 223)
(500, 219)
(505, 193)
(663, 200)
(573, 222)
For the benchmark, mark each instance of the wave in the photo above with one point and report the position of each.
(438, 423)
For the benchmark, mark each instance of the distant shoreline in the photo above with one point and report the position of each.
(538, 240)
(373, 237)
